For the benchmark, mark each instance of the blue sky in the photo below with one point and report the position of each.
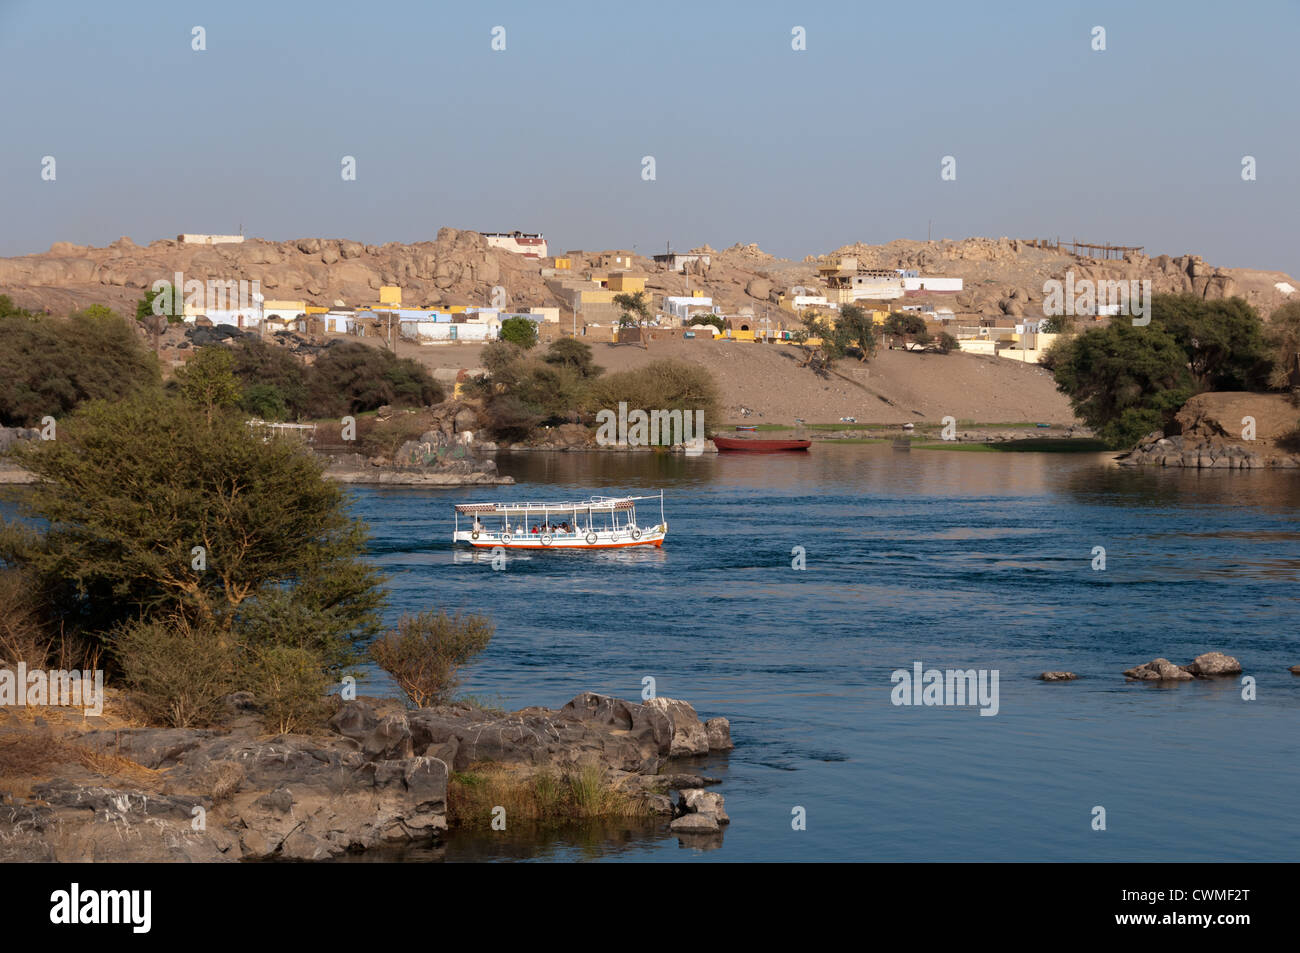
(754, 142)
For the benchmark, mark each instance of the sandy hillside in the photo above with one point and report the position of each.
(894, 387)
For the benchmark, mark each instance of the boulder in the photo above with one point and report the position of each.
(1159, 670)
(694, 824)
(689, 737)
(1213, 665)
(699, 801)
(718, 731)
(1057, 676)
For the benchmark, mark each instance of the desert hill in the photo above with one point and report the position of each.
(1003, 277)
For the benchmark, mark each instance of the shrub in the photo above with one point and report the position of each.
(23, 636)
(423, 653)
(519, 331)
(350, 377)
(208, 380)
(574, 354)
(50, 366)
(946, 343)
(290, 686)
(541, 797)
(265, 402)
(177, 671)
(259, 364)
(664, 384)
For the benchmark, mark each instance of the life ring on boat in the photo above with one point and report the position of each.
(636, 533)
(591, 539)
(474, 535)
(546, 539)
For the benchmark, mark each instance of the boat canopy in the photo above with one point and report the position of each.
(597, 504)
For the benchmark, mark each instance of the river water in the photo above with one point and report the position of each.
(957, 560)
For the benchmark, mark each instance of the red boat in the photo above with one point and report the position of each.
(753, 445)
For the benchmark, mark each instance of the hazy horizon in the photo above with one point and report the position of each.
(799, 152)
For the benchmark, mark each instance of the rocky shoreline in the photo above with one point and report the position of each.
(375, 776)
(1224, 431)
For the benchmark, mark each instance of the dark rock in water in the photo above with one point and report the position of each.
(1295, 670)
(698, 801)
(1159, 670)
(1206, 665)
(694, 823)
(1213, 664)
(1058, 677)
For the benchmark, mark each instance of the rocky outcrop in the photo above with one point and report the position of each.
(1057, 677)
(376, 776)
(1211, 432)
(1207, 665)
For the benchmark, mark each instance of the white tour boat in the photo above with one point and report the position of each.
(601, 522)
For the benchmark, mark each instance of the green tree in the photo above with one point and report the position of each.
(858, 328)
(519, 331)
(208, 380)
(634, 313)
(270, 374)
(821, 343)
(171, 307)
(570, 352)
(130, 489)
(1283, 338)
(1123, 381)
(905, 325)
(1223, 339)
(350, 377)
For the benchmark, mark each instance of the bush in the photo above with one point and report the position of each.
(574, 354)
(661, 385)
(290, 686)
(350, 377)
(423, 653)
(258, 364)
(208, 379)
(23, 636)
(50, 366)
(519, 331)
(946, 343)
(265, 401)
(177, 671)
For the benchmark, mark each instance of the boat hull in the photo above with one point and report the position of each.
(760, 446)
(622, 540)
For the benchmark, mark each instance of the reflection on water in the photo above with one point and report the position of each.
(955, 559)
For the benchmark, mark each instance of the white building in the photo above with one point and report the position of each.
(189, 239)
(528, 244)
(930, 285)
(681, 306)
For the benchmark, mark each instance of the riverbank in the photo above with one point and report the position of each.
(102, 788)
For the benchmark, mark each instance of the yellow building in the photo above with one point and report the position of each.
(563, 264)
(625, 283)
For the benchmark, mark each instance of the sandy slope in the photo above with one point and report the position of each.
(895, 387)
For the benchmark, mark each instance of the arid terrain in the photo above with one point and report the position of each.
(766, 380)
(1003, 280)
